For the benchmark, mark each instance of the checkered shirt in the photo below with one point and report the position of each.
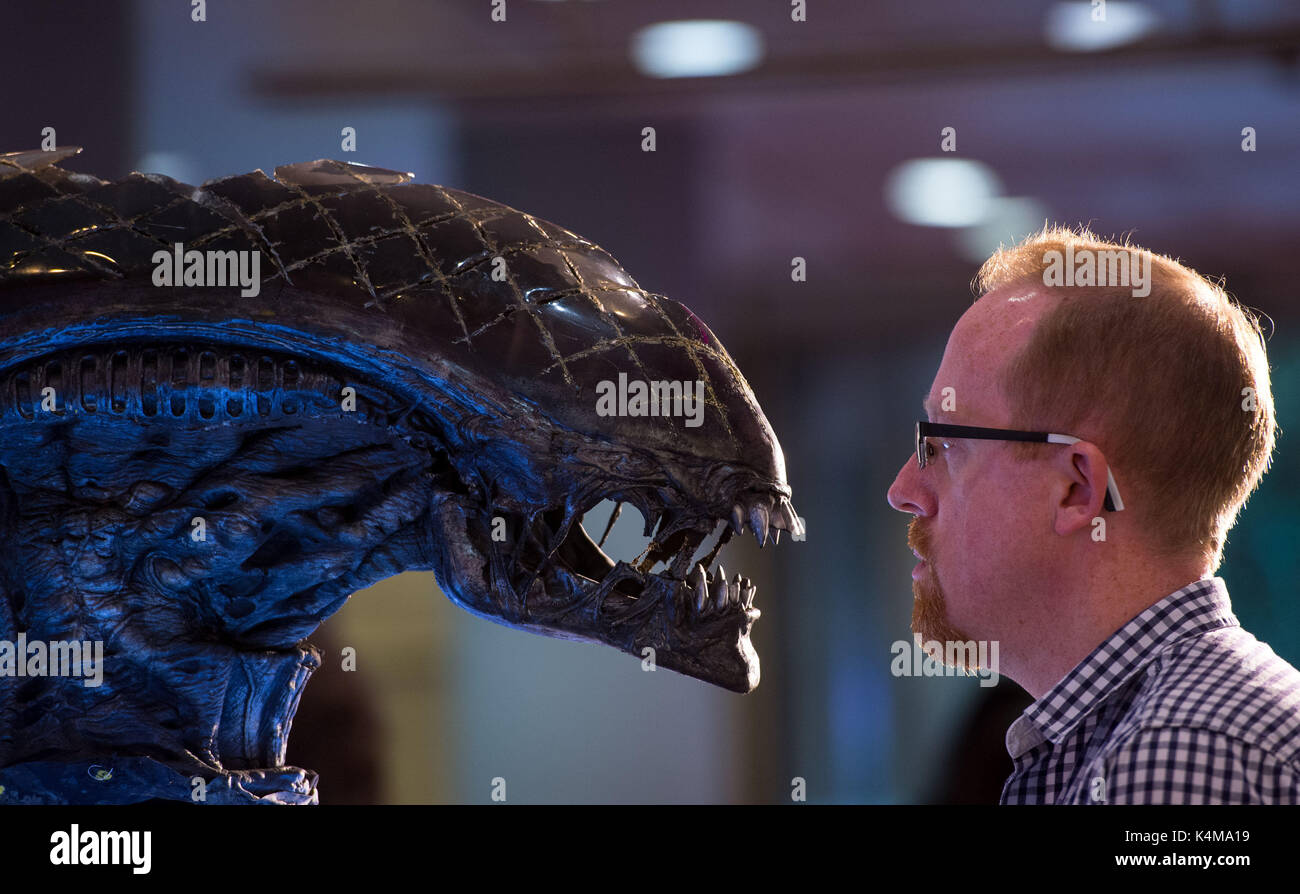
(1178, 706)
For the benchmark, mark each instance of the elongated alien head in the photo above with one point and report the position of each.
(335, 375)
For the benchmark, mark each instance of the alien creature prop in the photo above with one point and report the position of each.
(196, 471)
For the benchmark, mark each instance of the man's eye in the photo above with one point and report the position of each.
(930, 449)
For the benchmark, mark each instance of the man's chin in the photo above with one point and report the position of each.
(930, 613)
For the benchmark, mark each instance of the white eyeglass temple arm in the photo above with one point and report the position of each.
(1110, 479)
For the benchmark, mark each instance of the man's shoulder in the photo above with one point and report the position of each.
(1227, 685)
(1214, 719)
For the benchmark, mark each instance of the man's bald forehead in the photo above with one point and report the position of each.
(1004, 319)
(1015, 303)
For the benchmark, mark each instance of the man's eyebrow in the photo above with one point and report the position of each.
(925, 406)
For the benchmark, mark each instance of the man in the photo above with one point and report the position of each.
(1087, 548)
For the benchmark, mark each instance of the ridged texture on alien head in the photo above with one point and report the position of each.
(512, 296)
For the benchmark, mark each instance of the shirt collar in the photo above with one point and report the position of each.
(1197, 608)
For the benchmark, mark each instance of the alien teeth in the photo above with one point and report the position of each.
(701, 583)
(779, 517)
(758, 519)
(723, 595)
(707, 599)
(788, 519)
(783, 516)
(711, 594)
(716, 593)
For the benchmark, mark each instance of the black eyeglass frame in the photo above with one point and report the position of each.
(925, 430)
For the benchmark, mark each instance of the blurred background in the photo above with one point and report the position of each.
(776, 139)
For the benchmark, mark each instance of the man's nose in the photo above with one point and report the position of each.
(907, 493)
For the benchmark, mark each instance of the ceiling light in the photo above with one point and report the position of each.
(693, 49)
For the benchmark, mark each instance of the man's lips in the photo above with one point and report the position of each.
(916, 572)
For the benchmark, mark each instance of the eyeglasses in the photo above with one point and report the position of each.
(938, 430)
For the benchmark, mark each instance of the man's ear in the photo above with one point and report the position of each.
(1082, 491)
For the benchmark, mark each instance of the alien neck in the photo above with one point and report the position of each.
(193, 560)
